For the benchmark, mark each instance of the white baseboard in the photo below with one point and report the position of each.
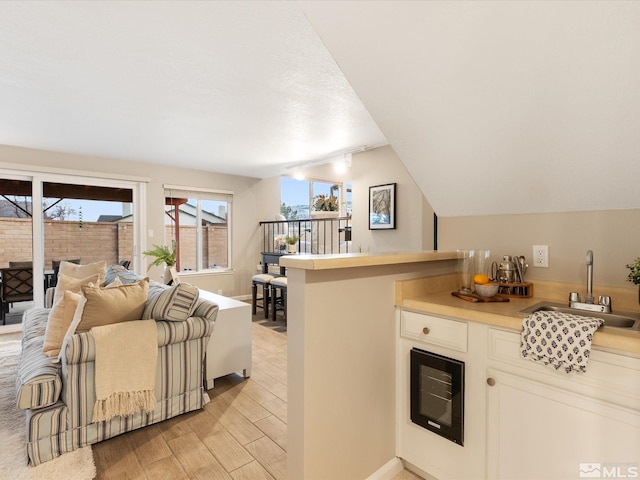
(388, 470)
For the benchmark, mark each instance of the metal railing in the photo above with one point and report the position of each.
(314, 236)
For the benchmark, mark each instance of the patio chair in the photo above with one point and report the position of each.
(17, 286)
(55, 264)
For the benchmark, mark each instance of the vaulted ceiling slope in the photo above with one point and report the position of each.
(234, 87)
(499, 107)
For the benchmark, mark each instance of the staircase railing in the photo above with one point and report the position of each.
(314, 236)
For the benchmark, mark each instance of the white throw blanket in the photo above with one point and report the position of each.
(561, 340)
(125, 374)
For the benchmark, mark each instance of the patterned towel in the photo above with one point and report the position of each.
(561, 340)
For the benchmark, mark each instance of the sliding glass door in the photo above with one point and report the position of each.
(86, 224)
(45, 219)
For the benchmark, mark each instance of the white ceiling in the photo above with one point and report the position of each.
(233, 87)
(500, 107)
(494, 107)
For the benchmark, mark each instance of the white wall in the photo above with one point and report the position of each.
(414, 215)
(246, 204)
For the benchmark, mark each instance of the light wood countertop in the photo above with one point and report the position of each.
(351, 260)
(505, 314)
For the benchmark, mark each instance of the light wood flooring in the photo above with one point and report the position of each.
(241, 434)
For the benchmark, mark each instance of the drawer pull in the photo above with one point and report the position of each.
(426, 330)
(491, 381)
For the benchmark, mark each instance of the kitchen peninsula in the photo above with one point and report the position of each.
(341, 359)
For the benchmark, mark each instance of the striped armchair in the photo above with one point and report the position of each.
(59, 398)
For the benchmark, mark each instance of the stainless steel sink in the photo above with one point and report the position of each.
(626, 320)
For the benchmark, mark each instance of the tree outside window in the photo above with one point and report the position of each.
(296, 196)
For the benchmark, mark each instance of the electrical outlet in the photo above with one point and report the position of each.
(540, 255)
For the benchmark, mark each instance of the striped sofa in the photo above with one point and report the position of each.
(59, 398)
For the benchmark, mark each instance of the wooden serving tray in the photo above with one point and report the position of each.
(472, 297)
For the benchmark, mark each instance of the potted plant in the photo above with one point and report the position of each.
(162, 254)
(634, 274)
(324, 203)
(291, 242)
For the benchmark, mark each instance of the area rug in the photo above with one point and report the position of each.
(76, 465)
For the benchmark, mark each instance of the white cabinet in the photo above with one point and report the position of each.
(229, 348)
(523, 420)
(547, 424)
(426, 451)
(538, 431)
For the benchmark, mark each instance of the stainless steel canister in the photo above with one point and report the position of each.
(506, 270)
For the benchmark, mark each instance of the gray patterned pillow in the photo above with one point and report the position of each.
(125, 276)
(174, 304)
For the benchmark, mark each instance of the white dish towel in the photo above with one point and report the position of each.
(561, 340)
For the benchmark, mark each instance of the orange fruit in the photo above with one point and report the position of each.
(480, 279)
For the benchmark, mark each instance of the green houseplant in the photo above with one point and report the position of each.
(162, 254)
(634, 274)
(291, 240)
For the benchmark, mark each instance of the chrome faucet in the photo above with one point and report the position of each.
(604, 301)
(589, 297)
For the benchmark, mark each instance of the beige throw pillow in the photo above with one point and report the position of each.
(72, 284)
(104, 306)
(59, 321)
(61, 316)
(81, 271)
(116, 283)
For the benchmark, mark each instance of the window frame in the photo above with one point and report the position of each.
(311, 193)
(199, 194)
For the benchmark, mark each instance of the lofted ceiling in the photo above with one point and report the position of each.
(243, 88)
(499, 107)
(494, 107)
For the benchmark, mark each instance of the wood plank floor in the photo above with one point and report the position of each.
(240, 435)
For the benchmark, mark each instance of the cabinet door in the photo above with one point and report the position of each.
(537, 431)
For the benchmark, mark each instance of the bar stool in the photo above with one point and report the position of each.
(262, 280)
(279, 283)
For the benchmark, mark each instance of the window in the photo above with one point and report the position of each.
(87, 223)
(199, 222)
(49, 217)
(296, 196)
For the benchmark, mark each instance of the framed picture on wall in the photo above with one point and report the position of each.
(382, 207)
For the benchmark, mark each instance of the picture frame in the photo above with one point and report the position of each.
(382, 207)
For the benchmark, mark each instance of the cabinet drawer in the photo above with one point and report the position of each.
(439, 331)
